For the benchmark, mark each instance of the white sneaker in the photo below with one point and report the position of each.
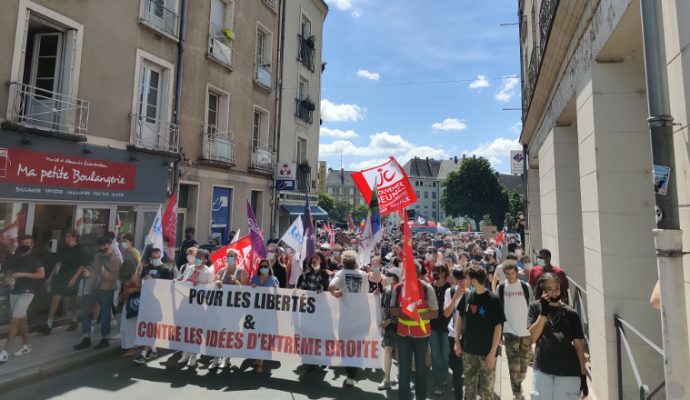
(224, 363)
(185, 358)
(349, 382)
(26, 349)
(192, 361)
(215, 363)
(386, 384)
(4, 356)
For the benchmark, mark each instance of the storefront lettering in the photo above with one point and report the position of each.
(92, 177)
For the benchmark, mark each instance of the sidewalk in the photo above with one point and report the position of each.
(502, 385)
(52, 354)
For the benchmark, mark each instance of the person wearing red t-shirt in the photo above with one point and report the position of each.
(543, 265)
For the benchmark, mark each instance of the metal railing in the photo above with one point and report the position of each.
(263, 73)
(153, 134)
(303, 111)
(531, 81)
(262, 156)
(219, 46)
(578, 301)
(305, 53)
(272, 4)
(547, 13)
(218, 146)
(159, 17)
(622, 341)
(38, 108)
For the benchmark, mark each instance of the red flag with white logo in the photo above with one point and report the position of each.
(395, 191)
(411, 295)
(170, 220)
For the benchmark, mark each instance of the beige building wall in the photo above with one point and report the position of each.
(534, 233)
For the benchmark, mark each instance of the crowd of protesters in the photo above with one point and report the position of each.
(481, 299)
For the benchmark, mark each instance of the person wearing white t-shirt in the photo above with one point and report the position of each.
(515, 297)
(499, 275)
(450, 304)
(350, 279)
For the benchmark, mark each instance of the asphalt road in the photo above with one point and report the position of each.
(162, 378)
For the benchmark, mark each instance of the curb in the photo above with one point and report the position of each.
(52, 368)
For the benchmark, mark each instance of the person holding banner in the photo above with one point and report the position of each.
(273, 255)
(264, 278)
(349, 280)
(389, 324)
(413, 337)
(202, 273)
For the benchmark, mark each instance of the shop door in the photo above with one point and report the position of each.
(92, 222)
(50, 223)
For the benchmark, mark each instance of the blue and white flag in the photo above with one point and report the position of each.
(155, 236)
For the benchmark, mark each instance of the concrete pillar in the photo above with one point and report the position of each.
(533, 212)
(618, 218)
(561, 213)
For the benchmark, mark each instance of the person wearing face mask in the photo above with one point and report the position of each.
(559, 351)
(375, 276)
(273, 256)
(439, 331)
(189, 260)
(187, 243)
(22, 270)
(200, 274)
(101, 283)
(71, 261)
(129, 252)
(264, 277)
(389, 325)
(525, 265)
(543, 265)
(451, 300)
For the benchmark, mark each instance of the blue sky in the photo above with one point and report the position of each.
(419, 78)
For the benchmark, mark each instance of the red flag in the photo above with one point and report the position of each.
(500, 237)
(242, 245)
(469, 228)
(411, 295)
(332, 236)
(170, 219)
(350, 223)
(394, 189)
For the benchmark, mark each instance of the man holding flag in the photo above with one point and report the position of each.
(414, 303)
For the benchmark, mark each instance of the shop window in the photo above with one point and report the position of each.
(12, 223)
(126, 221)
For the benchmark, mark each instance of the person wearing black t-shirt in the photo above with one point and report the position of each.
(22, 271)
(439, 331)
(559, 355)
(478, 328)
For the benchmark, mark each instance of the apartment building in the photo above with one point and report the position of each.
(340, 185)
(590, 186)
(298, 112)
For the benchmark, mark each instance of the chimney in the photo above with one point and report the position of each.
(342, 176)
(455, 159)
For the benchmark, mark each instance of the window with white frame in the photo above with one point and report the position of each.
(221, 33)
(303, 91)
(217, 106)
(152, 111)
(301, 151)
(260, 130)
(161, 15)
(305, 27)
(263, 52)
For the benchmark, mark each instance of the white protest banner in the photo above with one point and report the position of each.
(261, 323)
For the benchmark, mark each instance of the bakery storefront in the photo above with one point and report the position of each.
(48, 186)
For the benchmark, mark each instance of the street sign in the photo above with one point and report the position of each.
(286, 184)
(517, 157)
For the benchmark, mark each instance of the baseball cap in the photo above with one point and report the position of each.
(395, 271)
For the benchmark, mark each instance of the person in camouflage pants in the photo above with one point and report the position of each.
(518, 352)
(481, 379)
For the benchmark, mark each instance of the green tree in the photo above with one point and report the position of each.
(474, 190)
(516, 205)
(450, 224)
(359, 213)
(326, 201)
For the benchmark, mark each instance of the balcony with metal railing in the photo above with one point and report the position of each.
(43, 110)
(305, 54)
(220, 44)
(155, 135)
(161, 18)
(218, 146)
(263, 75)
(262, 157)
(272, 4)
(304, 110)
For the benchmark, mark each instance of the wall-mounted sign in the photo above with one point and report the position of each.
(286, 171)
(517, 159)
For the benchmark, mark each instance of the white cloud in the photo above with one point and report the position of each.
(341, 4)
(450, 124)
(516, 128)
(337, 133)
(372, 76)
(480, 82)
(356, 14)
(507, 90)
(497, 150)
(358, 166)
(331, 112)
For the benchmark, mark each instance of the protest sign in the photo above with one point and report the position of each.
(261, 323)
(394, 189)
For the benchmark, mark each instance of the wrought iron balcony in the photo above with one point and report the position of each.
(547, 13)
(218, 146)
(306, 51)
(156, 135)
(303, 177)
(532, 76)
(263, 73)
(41, 109)
(262, 156)
(159, 17)
(219, 45)
(304, 110)
(272, 4)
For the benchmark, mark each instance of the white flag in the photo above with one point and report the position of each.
(367, 244)
(294, 236)
(237, 236)
(155, 236)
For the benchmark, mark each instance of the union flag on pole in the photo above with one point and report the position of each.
(243, 246)
(170, 220)
(394, 189)
(411, 295)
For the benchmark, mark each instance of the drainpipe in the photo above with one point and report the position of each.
(668, 235)
(279, 117)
